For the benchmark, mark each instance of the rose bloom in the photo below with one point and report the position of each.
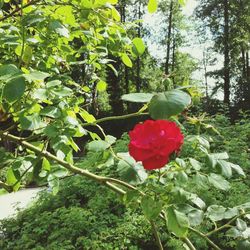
(152, 142)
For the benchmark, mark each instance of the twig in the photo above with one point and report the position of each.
(111, 118)
(225, 225)
(211, 243)
(70, 167)
(156, 235)
(18, 9)
(189, 243)
(6, 187)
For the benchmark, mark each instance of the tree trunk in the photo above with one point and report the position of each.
(205, 72)
(126, 71)
(173, 58)
(247, 83)
(138, 61)
(226, 54)
(170, 20)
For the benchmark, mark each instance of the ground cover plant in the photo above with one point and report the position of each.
(57, 59)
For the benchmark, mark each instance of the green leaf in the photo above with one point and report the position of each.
(86, 4)
(126, 60)
(31, 122)
(87, 117)
(129, 170)
(225, 168)
(195, 217)
(152, 6)
(45, 164)
(182, 2)
(243, 245)
(59, 28)
(53, 182)
(139, 45)
(177, 222)
(241, 224)
(52, 84)
(195, 164)
(231, 212)
(51, 111)
(60, 172)
(113, 69)
(201, 181)
(14, 89)
(199, 202)
(150, 207)
(218, 181)
(131, 196)
(36, 76)
(216, 213)
(110, 139)
(1, 4)
(137, 97)
(220, 156)
(61, 91)
(66, 14)
(98, 146)
(164, 105)
(101, 86)
(7, 71)
(27, 55)
(12, 180)
(115, 14)
(237, 169)
(234, 233)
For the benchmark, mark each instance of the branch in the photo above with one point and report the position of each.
(228, 224)
(189, 243)
(100, 179)
(111, 118)
(156, 235)
(6, 187)
(18, 9)
(211, 243)
(70, 167)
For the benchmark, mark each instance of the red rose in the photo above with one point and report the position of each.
(152, 142)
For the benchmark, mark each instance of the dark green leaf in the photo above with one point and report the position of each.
(164, 105)
(98, 145)
(216, 213)
(53, 182)
(218, 181)
(177, 222)
(150, 207)
(14, 89)
(8, 71)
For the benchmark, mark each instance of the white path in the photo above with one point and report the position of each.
(21, 199)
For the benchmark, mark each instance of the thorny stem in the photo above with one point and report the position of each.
(70, 167)
(156, 235)
(189, 243)
(202, 235)
(111, 118)
(228, 224)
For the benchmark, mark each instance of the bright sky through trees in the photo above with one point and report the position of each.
(195, 48)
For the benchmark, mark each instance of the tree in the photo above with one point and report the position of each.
(230, 31)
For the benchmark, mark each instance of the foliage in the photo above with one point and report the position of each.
(55, 60)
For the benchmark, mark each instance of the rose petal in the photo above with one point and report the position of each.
(155, 162)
